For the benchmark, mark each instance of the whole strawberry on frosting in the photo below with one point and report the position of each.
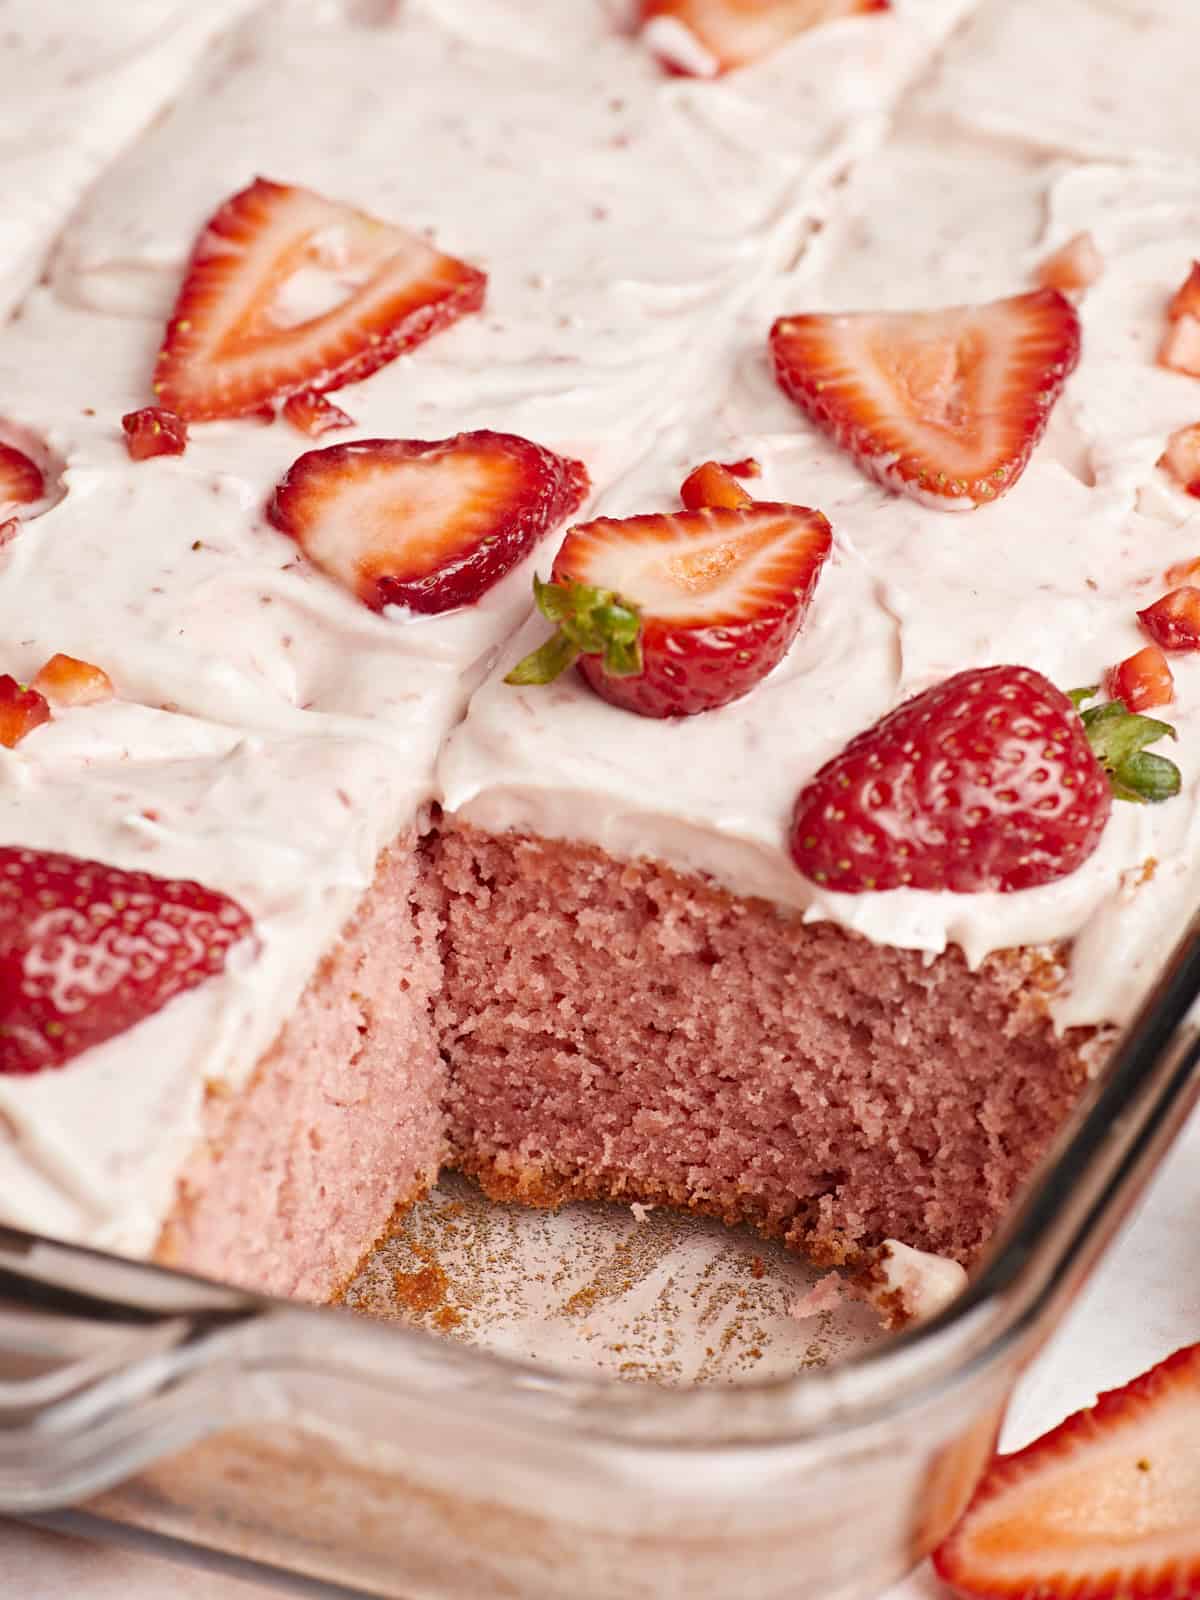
(991, 780)
(88, 950)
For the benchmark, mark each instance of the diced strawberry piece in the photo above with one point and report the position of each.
(945, 406)
(314, 414)
(1185, 302)
(1183, 572)
(67, 681)
(428, 524)
(1104, 1507)
(88, 950)
(748, 467)
(249, 326)
(1174, 621)
(1074, 266)
(711, 484)
(668, 616)
(1142, 681)
(21, 480)
(990, 781)
(1181, 458)
(702, 38)
(154, 431)
(21, 711)
(1180, 350)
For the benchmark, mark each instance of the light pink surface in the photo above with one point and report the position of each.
(614, 1029)
(343, 1119)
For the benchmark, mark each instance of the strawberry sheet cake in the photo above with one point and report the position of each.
(614, 604)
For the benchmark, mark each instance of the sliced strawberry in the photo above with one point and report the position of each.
(1180, 349)
(1104, 1507)
(21, 480)
(1142, 681)
(255, 321)
(945, 406)
(711, 484)
(314, 414)
(1181, 458)
(67, 681)
(1185, 302)
(1073, 267)
(705, 37)
(989, 781)
(87, 950)
(1183, 572)
(21, 711)
(1174, 621)
(747, 467)
(671, 615)
(154, 431)
(428, 524)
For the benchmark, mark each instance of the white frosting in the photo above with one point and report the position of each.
(273, 733)
(924, 1282)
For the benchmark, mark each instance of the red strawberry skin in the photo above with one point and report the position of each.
(692, 667)
(1104, 1507)
(21, 480)
(938, 420)
(225, 355)
(154, 431)
(1174, 621)
(498, 495)
(21, 711)
(88, 950)
(984, 782)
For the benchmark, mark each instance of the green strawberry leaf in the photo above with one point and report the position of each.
(590, 622)
(1119, 738)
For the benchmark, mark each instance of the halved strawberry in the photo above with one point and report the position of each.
(87, 950)
(1143, 680)
(154, 431)
(1106, 1505)
(705, 37)
(21, 480)
(314, 414)
(1174, 620)
(1181, 458)
(287, 292)
(1074, 266)
(945, 406)
(1185, 302)
(428, 524)
(989, 781)
(671, 615)
(1180, 349)
(67, 681)
(21, 711)
(711, 484)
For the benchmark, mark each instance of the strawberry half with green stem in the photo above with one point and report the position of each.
(671, 615)
(702, 38)
(88, 950)
(21, 480)
(254, 323)
(1104, 1507)
(990, 781)
(430, 524)
(944, 406)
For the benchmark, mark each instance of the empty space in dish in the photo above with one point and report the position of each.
(637, 1292)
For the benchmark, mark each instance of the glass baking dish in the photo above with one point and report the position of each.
(337, 1454)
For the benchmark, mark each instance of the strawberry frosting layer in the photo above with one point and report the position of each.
(271, 733)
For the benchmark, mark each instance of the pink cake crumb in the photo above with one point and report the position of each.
(342, 1123)
(825, 1295)
(615, 1029)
